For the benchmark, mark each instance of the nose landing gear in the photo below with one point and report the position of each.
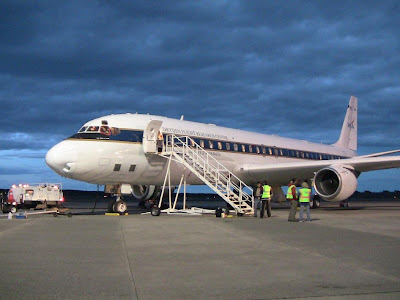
(117, 206)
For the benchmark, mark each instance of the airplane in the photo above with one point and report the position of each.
(115, 151)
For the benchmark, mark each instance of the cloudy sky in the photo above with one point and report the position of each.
(280, 67)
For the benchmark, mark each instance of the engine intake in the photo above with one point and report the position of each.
(335, 183)
(144, 192)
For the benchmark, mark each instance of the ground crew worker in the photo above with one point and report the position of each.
(257, 197)
(266, 200)
(305, 196)
(293, 199)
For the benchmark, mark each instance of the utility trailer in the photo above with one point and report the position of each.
(37, 195)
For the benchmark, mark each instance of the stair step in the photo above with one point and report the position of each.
(214, 174)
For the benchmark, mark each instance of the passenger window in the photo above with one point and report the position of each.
(250, 149)
(276, 152)
(228, 146)
(257, 149)
(298, 154)
(117, 167)
(132, 168)
(243, 148)
(192, 143)
(270, 151)
(211, 144)
(235, 147)
(201, 143)
(264, 150)
(219, 145)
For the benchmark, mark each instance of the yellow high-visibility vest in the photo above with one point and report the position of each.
(266, 192)
(305, 195)
(289, 192)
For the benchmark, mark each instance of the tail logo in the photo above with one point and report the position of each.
(351, 125)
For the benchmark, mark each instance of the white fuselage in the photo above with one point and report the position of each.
(93, 157)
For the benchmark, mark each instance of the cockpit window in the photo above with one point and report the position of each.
(109, 130)
(93, 128)
(83, 129)
(109, 133)
(105, 130)
(115, 131)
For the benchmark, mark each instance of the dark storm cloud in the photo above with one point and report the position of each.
(283, 67)
(20, 171)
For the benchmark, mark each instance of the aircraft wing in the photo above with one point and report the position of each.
(307, 169)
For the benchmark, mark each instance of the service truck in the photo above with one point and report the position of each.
(39, 195)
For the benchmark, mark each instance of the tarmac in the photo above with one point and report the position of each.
(343, 253)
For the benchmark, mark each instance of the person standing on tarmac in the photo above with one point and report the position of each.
(266, 200)
(305, 196)
(293, 199)
(257, 197)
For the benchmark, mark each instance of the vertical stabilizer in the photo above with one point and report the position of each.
(348, 136)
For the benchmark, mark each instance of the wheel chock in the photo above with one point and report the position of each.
(116, 214)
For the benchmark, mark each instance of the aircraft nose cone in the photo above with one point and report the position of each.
(51, 158)
(60, 156)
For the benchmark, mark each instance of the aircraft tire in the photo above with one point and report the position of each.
(225, 210)
(155, 211)
(5, 208)
(315, 204)
(120, 207)
(218, 212)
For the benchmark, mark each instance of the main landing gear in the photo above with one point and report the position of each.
(344, 204)
(117, 206)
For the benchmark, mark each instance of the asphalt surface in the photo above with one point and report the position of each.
(343, 253)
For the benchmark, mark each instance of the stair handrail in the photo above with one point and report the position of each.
(188, 142)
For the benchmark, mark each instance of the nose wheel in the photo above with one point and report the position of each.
(117, 206)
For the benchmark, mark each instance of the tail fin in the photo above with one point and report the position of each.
(348, 136)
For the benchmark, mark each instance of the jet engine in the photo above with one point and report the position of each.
(145, 192)
(335, 183)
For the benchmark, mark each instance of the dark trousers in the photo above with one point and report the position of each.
(292, 212)
(265, 203)
(257, 200)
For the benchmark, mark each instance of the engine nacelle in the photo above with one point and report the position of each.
(335, 183)
(144, 192)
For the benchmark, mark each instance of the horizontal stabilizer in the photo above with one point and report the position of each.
(379, 154)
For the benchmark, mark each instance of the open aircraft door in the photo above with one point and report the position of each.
(150, 135)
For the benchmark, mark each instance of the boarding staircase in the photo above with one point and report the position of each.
(186, 151)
